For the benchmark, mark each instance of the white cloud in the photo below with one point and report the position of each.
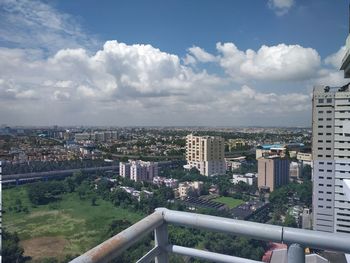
(280, 62)
(35, 24)
(131, 84)
(201, 55)
(247, 100)
(281, 7)
(336, 58)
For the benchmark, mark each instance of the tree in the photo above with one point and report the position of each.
(44, 192)
(290, 221)
(93, 199)
(306, 172)
(11, 250)
(83, 189)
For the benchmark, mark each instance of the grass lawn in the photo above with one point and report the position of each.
(229, 201)
(73, 222)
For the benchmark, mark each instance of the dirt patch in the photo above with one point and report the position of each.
(44, 247)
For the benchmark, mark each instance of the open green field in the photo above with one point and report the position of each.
(229, 201)
(69, 226)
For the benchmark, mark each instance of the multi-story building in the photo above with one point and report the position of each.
(305, 158)
(186, 187)
(331, 158)
(205, 153)
(236, 144)
(82, 136)
(138, 170)
(273, 172)
(295, 170)
(124, 170)
(248, 178)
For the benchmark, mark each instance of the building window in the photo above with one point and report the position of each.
(320, 100)
(329, 100)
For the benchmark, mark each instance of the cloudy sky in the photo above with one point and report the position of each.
(158, 62)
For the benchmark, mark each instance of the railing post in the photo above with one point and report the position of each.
(161, 240)
(296, 254)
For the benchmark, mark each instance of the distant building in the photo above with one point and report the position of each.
(185, 187)
(278, 149)
(295, 170)
(124, 170)
(273, 172)
(168, 182)
(305, 158)
(236, 144)
(99, 136)
(248, 178)
(306, 221)
(138, 170)
(270, 149)
(82, 136)
(205, 153)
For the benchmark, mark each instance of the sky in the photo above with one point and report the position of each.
(168, 63)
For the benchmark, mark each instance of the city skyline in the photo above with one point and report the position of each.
(167, 65)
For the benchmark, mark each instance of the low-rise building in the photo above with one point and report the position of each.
(168, 182)
(236, 144)
(295, 170)
(305, 158)
(248, 178)
(185, 187)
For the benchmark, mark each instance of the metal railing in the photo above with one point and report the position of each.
(297, 239)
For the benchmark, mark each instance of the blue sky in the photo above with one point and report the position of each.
(173, 26)
(228, 63)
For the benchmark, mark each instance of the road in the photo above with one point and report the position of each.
(28, 176)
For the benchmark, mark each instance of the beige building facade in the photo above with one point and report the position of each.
(205, 153)
(272, 173)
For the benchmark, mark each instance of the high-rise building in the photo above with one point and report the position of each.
(331, 158)
(205, 153)
(273, 172)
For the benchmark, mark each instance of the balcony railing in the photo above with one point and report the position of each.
(297, 239)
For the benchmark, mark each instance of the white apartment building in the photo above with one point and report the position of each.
(331, 158)
(124, 169)
(248, 178)
(138, 170)
(205, 153)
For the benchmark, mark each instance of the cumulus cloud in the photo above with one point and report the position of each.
(336, 58)
(124, 82)
(281, 7)
(247, 100)
(199, 54)
(50, 75)
(280, 62)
